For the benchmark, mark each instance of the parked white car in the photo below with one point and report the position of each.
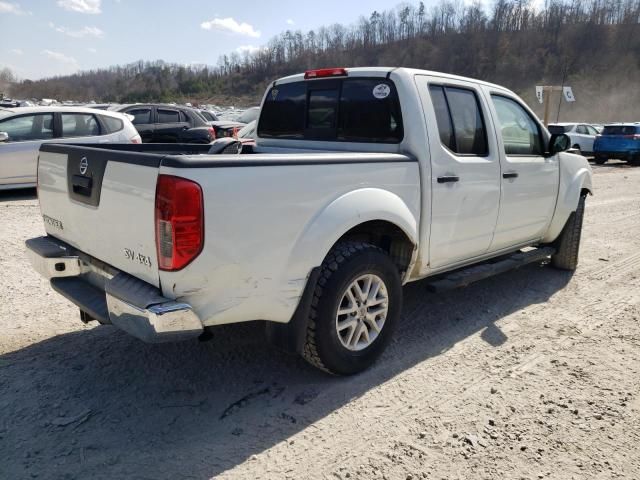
(361, 180)
(582, 135)
(23, 130)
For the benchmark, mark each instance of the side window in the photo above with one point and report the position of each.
(520, 133)
(28, 127)
(184, 118)
(445, 128)
(79, 125)
(168, 116)
(112, 124)
(581, 129)
(591, 130)
(460, 121)
(142, 116)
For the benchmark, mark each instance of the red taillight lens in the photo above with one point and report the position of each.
(212, 133)
(325, 72)
(135, 139)
(179, 222)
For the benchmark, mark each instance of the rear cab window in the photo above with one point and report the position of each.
(345, 109)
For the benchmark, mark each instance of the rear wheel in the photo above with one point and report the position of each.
(568, 243)
(600, 160)
(577, 148)
(356, 304)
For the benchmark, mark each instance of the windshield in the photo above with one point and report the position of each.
(208, 116)
(249, 115)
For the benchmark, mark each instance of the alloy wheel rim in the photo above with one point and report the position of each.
(362, 312)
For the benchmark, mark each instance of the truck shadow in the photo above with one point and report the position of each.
(20, 194)
(100, 403)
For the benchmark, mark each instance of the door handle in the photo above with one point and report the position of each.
(448, 179)
(510, 175)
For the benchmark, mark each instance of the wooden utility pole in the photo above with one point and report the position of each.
(547, 91)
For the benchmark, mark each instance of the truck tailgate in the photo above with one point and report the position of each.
(102, 202)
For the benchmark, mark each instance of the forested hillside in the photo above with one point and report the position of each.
(595, 44)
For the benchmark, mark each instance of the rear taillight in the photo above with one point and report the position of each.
(212, 133)
(636, 136)
(179, 222)
(135, 139)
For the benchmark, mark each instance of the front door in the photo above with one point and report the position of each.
(529, 178)
(19, 155)
(465, 170)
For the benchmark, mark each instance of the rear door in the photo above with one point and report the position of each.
(170, 124)
(143, 121)
(529, 179)
(19, 155)
(103, 203)
(465, 165)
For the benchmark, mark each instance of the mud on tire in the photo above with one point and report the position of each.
(568, 243)
(324, 347)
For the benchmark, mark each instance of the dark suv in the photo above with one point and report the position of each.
(157, 123)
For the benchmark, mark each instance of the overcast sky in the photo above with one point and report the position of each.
(54, 37)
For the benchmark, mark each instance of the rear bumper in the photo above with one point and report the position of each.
(111, 296)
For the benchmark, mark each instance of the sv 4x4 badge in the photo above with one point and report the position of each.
(137, 257)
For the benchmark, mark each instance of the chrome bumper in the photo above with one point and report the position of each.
(116, 298)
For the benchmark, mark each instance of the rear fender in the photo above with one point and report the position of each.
(340, 216)
(575, 176)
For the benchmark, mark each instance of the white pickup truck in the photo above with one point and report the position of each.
(361, 180)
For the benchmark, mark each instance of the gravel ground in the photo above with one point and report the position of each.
(531, 374)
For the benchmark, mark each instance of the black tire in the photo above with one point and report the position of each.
(568, 243)
(600, 160)
(577, 147)
(343, 265)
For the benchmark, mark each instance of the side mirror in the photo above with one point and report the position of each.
(4, 137)
(559, 142)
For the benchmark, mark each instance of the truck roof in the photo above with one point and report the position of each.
(384, 71)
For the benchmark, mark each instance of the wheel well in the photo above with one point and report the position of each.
(386, 235)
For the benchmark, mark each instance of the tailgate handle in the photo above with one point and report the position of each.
(82, 185)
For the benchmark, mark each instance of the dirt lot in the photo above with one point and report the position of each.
(532, 374)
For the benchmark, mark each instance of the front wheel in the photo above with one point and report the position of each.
(568, 243)
(357, 302)
(600, 160)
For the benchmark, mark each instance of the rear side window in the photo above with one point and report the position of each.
(28, 127)
(582, 130)
(112, 124)
(142, 116)
(79, 125)
(460, 121)
(168, 116)
(347, 110)
(183, 117)
(520, 133)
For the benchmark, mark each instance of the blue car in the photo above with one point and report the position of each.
(621, 140)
